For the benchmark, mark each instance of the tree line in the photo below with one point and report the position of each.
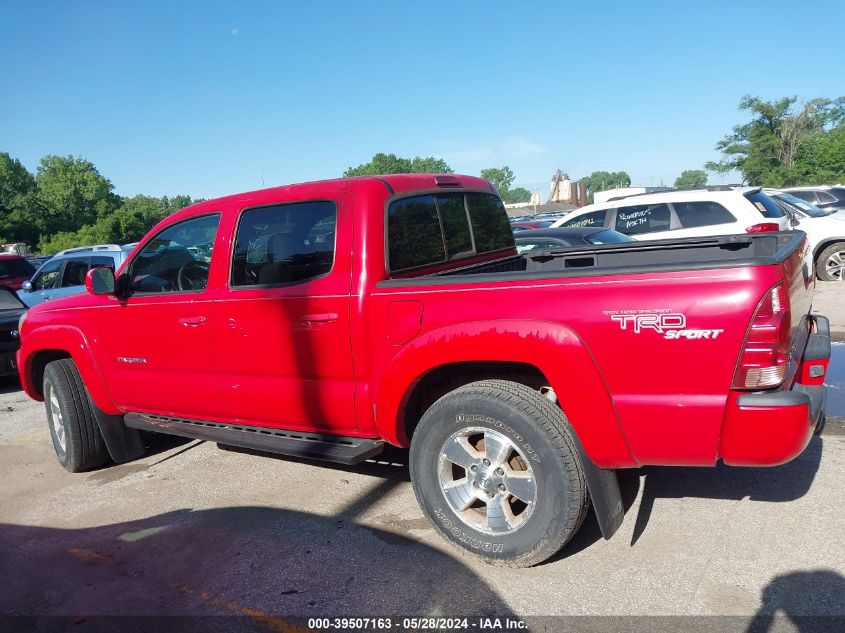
(67, 202)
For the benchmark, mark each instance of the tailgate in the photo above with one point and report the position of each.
(799, 277)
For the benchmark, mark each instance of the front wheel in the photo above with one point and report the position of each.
(70, 415)
(495, 468)
(830, 265)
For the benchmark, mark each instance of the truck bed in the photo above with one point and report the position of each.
(725, 251)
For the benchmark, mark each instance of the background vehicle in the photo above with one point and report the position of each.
(528, 225)
(567, 237)
(518, 381)
(63, 274)
(684, 213)
(831, 199)
(14, 270)
(825, 232)
(11, 310)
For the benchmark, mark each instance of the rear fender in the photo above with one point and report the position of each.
(71, 340)
(556, 350)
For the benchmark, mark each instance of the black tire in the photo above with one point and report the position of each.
(539, 435)
(829, 265)
(76, 435)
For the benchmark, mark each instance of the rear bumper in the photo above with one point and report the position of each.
(773, 427)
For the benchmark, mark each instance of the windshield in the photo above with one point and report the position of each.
(802, 205)
(608, 237)
(15, 267)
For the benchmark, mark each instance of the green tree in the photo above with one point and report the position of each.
(500, 177)
(393, 164)
(72, 193)
(518, 194)
(785, 143)
(604, 180)
(19, 209)
(691, 178)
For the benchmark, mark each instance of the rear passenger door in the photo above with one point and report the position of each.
(281, 327)
(592, 218)
(73, 277)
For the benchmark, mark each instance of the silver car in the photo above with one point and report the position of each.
(64, 274)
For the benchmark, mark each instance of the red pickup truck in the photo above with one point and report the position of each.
(326, 319)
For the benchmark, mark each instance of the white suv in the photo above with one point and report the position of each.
(684, 213)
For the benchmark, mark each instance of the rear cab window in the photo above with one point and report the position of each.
(430, 229)
(765, 205)
(15, 267)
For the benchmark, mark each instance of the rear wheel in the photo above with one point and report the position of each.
(70, 415)
(830, 265)
(495, 468)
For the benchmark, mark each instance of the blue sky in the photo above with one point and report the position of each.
(177, 97)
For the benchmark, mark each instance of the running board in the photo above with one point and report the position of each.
(334, 448)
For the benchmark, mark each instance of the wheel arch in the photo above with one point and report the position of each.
(830, 241)
(535, 353)
(46, 344)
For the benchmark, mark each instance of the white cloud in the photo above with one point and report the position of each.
(236, 31)
(509, 148)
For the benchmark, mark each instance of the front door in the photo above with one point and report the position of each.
(155, 345)
(281, 329)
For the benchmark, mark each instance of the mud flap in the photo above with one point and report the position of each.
(604, 493)
(124, 444)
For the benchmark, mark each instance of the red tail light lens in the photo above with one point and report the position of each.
(762, 227)
(765, 354)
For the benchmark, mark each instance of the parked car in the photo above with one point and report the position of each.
(567, 238)
(11, 310)
(519, 383)
(825, 232)
(63, 274)
(826, 198)
(684, 213)
(529, 225)
(14, 270)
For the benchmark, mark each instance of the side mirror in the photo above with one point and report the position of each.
(793, 220)
(26, 286)
(100, 281)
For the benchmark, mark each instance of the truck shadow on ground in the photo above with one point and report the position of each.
(253, 562)
(780, 483)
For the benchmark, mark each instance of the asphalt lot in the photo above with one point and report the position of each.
(192, 529)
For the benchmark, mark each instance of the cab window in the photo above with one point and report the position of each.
(594, 218)
(284, 244)
(643, 218)
(178, 259)
(48, 276)
(75, 271)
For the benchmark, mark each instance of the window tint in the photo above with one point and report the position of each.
(284, 244)
(825, 197)
(765, 205)
(608, 237)
(838, 193)
(524, 245)
(453, 214)
(693, 214)
(643, 218)
(177, 259)
(102, 262)
(414, 236)
(15, 267)
(594, 218)
(490, 224)
(75, 271)
(48, 276)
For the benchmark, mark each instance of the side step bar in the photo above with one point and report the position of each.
(334, 448)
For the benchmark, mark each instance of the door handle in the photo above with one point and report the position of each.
(192, 321)
(320, 318)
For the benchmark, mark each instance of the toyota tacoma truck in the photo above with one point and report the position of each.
(329, 319)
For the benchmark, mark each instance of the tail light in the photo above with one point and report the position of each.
(765, 353)
(763, 227)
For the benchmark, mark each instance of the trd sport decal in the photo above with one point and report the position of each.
(672, 325)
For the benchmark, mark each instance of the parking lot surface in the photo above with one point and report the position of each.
(193, 529)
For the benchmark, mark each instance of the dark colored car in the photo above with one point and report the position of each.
(14, 270)
(566, 237)
(826, 198)
(11, 309)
